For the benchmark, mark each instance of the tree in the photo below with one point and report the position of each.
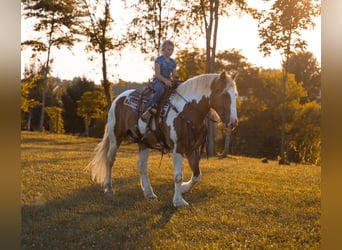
(92, 105)
(305, 133)
(306, 69)
(73, 90)
(56, 120)
(280, 30)
(31, 94)
(100, 39)
(258, 133)
(28, 103)
(56, 22)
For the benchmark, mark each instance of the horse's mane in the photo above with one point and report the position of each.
(197, 84)
(201, 84)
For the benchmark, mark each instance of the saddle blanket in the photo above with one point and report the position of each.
(133, 101)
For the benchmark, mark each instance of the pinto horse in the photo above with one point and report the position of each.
(182, 126)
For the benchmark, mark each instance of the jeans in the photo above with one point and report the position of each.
(159, 89)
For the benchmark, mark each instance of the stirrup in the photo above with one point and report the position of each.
(150, 111)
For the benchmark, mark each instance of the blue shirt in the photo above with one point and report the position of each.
(166, 67)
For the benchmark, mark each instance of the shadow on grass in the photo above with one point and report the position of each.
(89, 219)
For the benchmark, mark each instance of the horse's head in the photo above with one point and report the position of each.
(223, 99)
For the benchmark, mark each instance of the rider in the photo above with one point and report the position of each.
(164, 66)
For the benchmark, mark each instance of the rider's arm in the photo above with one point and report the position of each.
(159, 76)
(175, 74)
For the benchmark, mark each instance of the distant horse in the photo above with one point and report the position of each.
(179, 126)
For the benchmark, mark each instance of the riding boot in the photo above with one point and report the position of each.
(147, 114)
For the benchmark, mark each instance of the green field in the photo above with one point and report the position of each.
(240, 203)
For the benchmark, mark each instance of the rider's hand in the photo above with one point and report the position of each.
(168, 83)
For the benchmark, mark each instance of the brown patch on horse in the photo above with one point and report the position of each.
(189, 126)
(126, 120)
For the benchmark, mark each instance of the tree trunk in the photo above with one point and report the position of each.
(105, 83)
(87, 123)
(29, 120)
(42, 112)
(283, 159)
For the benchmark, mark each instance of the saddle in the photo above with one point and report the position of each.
(137, 100)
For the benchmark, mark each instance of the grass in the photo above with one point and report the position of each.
(240, 203)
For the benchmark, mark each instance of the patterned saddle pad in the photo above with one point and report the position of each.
(138, 99)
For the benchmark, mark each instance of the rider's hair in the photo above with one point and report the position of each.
(165, 44)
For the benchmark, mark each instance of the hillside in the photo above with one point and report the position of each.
(239, 203)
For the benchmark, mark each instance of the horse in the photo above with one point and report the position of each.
(182, 126)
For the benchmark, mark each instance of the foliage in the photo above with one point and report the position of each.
(306, 70)
(56, 20)
(258, 133)
(280, 29)
(92, 105)
(281, 26)
(232, 61)
(31, 99)
(55, 119)
(190, 63)
(240, 203)
(28, 103)
(73, 90)
(305, 131)
(53, 18)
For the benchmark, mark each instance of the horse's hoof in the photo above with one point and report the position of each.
(109, 193)
(151, 196)
(180, 203)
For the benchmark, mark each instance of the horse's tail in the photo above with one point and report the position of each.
(99, 161)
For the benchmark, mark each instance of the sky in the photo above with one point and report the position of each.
(234, 32)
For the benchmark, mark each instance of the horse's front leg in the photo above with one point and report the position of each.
(144, 179)
(178, 175)
(193, 159)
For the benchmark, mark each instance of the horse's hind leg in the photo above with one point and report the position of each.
(193, 159)
(113, 147)
(144, 179)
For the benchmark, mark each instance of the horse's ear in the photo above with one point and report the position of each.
(221, 83)
(223, 77)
